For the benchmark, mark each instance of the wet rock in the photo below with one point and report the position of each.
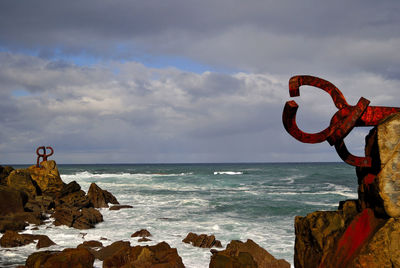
(119, 207)
(40, 204)
(70, 188)
(10, 201)
(141, 233)
(18, 221)
(249, 254)
(91, 244)
(160, 255)
(110, 250)
(47, 178)
(144, 239)
(99, 197)
(76, 199)
(13, 239)
(202, 241)
(80, 219)
(20, 179)
(70, 257)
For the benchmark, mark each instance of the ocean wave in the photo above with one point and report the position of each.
(228, 173)
(89, 175)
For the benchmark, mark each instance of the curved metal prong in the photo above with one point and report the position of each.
(52, 151)
(350, 159)
(289, 122)
(307, 80)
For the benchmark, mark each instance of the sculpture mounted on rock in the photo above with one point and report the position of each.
(44, 155)
(342, 122)
(363, 232)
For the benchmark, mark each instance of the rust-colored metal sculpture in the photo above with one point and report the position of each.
(44, 155)
(342, 122)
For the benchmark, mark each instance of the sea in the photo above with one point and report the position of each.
(257, 201)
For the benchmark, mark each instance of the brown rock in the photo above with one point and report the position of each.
(110, 250)
(70, 188)
(4, 172)
(47, 178)
(91, 244)
(160, 255)
(40, 204)
(70, 257)
(18, 221)
(10, 201)
(76, 199)
(119, 207)
(249, 254)
(80, 219)
(202, 241)
(144, 239)
(20, 179)
(13, 239)
(141, 233)
(100, 198)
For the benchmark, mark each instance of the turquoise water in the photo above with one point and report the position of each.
(231, 201)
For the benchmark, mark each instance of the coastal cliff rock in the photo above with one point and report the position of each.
(10, 201)
(13, 239)
(21, 180)
(99, 197)
(47, 178)
(368, 234)
(248, 254)
(160, 255)
(202, 241)
(4, 172)
(84, 218)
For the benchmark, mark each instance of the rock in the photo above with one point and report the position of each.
(249, 254)
(13, 239)
(4, 172)
(389, 175)
(119, 207)
(20, 179)
(76, 199)
(18, 221)
(110, 250)
(80, 219)
(202, 241)
(10, 201)
(47, 178)
(44, 242)
(141, 233)
(144, 239)
(70, 257)
(91, 244)
(100, 198)
(70, 188)
(160, 255)
(40, 204)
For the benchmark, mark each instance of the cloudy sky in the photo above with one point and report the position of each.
(186, 81)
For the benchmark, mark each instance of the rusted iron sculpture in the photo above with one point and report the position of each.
(342, 122)
(44, 155)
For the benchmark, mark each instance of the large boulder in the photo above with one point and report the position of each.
(10, 201)
(47, 178)
(84, 218)
(160, 255)
(249, 254)
(70, 257)
(202, 241)
(108, 251)
(20, 179)
(40, 203)
(99, 197)
(76, 199)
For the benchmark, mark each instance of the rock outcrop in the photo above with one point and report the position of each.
(13, 239)
(160, 255)
(202, 241)
(141, 233)
(99, 197)
(84, 218)
(363, 232)
(20, 179)
(249, 254)
(70, 257)
(47, 178)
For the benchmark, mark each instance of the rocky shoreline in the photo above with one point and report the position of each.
(36, 195)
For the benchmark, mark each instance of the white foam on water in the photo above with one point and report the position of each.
(228, 173)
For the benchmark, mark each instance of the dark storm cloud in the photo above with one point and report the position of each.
(70, 76)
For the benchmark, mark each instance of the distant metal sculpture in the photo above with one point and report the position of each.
(342, 122)
(43, 155)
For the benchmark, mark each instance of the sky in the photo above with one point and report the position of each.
(186, 81)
